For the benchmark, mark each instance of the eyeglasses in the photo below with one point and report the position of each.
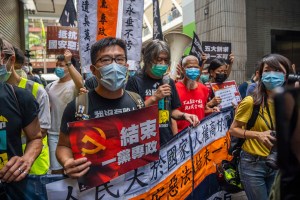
(106, 60)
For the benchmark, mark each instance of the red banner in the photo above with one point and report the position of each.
(116, 144)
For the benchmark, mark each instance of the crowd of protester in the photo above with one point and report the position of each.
(35, 115)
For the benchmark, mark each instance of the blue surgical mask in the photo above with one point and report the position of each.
(159, 70)
(192, 73)
(4, 74)
(59, 72)
(132, 73)
(113, 76)
(272, 80)
(204, 78)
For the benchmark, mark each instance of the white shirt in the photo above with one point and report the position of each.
(60, 94)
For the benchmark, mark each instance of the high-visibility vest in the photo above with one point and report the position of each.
(42, 163)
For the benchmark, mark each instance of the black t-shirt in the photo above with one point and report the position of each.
(18, 109)
(98, 107)
(146, 87)
(91, 83)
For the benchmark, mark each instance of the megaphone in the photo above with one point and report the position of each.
(177, 42)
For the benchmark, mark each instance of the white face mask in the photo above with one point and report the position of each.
(113, 76)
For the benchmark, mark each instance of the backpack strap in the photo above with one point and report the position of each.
(252, 120)
(16, 99)
(137, 99)
(82, 107)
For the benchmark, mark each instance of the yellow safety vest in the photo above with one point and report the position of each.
(42, 163)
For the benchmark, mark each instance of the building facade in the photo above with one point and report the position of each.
(12, 22)
(253, 27)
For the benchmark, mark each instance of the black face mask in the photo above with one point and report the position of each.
(220, 78)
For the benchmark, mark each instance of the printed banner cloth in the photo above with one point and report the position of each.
(115, 18)
(183, 164)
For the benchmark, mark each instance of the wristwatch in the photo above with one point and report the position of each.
(69, 64)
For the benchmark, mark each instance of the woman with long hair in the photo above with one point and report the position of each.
(256, 176)
(218, 71)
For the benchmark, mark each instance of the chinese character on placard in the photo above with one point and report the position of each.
(219, 48)
(85, 6)
(103, 19)
(172, 158)
(128, 33)
(87, 34)
(129, 135)
(213, 48)
(123, 156)
(72, 45)
(129, 22)
(72, 35)
(86, 21)
(173, 187)
(63, 34)
(101, 31)
(137, 151)
(62, 44)
(103, 4)
(52, 44)
(148, 129)
(150, 147)
(87, 47)
(207, 48)
(129, 10)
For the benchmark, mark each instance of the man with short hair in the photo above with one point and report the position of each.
(61, 92)
(193, 94)
(18, 111)
(109, 65)
(153, 90)
(41, 165)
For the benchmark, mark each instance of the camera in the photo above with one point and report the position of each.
(271, 160)
(292, 78)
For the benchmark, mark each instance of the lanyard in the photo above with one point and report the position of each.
(269, 114)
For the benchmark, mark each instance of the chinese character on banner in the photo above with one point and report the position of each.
(107, 18)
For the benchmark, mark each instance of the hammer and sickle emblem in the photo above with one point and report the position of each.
(99, 146)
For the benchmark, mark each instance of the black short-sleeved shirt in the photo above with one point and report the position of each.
(146, 87)
(17, 110)
(98, 107)
(91, 83)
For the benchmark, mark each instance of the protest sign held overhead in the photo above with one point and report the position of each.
(60, 38)
(216, 50)
(115, 144)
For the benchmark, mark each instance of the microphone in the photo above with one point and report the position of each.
(166, 80)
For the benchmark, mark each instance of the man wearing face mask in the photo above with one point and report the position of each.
(61, 92)
(109, 66)
(193, 94)
(18, 112)
(41, 165)
(150, 86)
